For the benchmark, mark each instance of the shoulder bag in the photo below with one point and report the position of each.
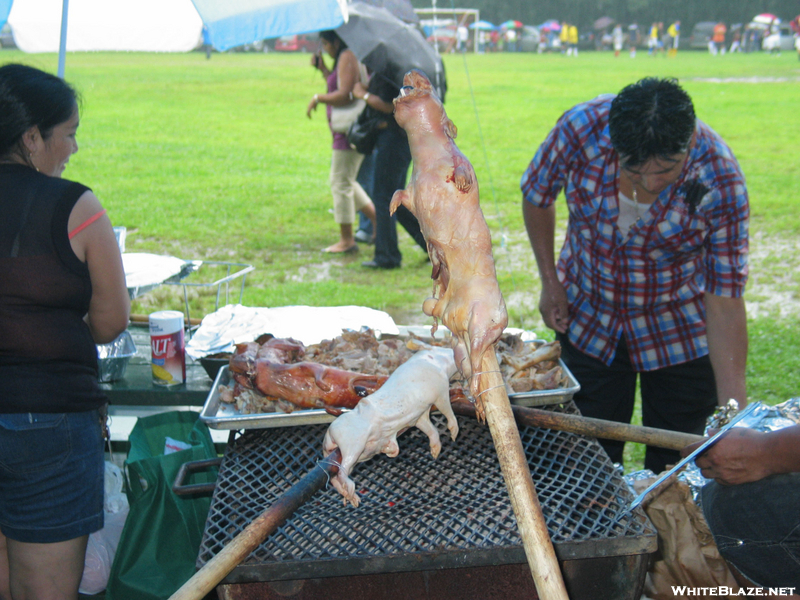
(342, 117)
(364, 132)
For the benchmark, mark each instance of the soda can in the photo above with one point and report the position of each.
(168, 347)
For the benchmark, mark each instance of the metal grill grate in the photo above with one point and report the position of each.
(417, 512)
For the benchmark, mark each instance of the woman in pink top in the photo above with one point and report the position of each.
(348, 195)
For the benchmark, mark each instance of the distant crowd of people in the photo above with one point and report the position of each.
(659, 39)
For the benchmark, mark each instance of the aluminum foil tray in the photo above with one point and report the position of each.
(112, 358)
(545, 397)
(220, 415)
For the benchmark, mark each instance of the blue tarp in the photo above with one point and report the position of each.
(5, 8)
(236, 22)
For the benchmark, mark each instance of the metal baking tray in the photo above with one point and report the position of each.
(220, 415)
(545, 397)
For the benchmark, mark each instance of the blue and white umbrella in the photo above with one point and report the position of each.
(483, 26)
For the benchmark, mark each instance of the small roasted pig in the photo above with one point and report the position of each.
(443, 195)
(403, 401)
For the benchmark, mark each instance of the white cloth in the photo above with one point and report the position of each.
(233, 324)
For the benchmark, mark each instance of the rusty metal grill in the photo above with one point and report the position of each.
(417, 512)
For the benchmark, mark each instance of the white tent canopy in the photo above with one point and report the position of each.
(166, 25)
(143, 25)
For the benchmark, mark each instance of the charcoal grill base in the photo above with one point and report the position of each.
(605, 578)
(442, 518)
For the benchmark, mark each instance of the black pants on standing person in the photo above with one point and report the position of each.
(676, 398)
(392, 159)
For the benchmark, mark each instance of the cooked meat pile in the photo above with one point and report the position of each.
(281, 374)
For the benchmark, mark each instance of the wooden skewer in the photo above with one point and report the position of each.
(215, 570)
(532, 528)
(599, 428)
(146, 319)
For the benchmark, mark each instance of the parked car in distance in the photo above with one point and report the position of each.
(785, 43)
(529, 40)
(257, 46)
(6, 37)
(307, 42)
(702, 34)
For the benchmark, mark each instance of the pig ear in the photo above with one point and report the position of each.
(422, 82)
(449, 127)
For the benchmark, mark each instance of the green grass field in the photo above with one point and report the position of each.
(215, 159)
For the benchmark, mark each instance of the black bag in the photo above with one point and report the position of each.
(364, 132)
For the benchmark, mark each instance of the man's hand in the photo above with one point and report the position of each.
(554, 307)
(737, 457)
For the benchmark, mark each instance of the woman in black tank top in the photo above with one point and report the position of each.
(62, 290)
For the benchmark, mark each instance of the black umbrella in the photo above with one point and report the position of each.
(603, 22)
(390, 47)
(401, 9)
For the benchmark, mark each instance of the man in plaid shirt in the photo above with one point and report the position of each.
(651, 276)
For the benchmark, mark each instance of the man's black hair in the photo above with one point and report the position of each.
(652, 118)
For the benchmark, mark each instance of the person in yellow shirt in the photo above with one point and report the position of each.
(652, 40)
(563, 36)
(674, 31)
(572, 40)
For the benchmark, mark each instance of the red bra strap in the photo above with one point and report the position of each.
(86, 223)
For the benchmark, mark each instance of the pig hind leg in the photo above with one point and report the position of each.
(425, 426)
(443, 404)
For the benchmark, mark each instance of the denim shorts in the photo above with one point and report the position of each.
(757, 527)
(51, 476)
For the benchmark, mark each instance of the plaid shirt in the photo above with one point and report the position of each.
(648, 284)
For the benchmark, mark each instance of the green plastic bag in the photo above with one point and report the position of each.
(161, 539)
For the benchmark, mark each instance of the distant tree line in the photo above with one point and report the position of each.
(583, 13)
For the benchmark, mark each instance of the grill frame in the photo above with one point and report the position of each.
(466, 521)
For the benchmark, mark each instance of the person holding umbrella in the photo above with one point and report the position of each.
(348, 195)
(391, 159)
(389, 48)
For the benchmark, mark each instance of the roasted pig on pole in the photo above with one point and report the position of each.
(443, 195)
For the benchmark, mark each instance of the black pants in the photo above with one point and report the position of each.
(677, 398)
(392, 158)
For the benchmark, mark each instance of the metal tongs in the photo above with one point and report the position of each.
(699, 450)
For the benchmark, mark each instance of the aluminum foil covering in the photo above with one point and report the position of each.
(764, 418)
(112, 358)
(144, 272)
(233, 324)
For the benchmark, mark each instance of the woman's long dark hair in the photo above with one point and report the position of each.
(330, 36)
(30, 97)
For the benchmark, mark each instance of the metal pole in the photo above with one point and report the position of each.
(62, 47)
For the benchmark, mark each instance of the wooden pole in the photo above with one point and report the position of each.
(146, 319)
(599, 428)
(215, 570)
(516, 473)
